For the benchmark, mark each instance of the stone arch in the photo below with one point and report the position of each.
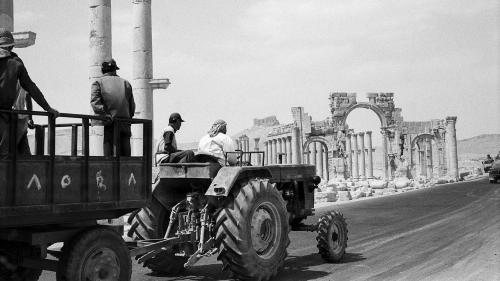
(373, 107)
(324, 143)
(420, 137)
(414, 143)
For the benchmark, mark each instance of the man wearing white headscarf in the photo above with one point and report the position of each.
(216, 143)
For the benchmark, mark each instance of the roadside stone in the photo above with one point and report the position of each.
(344, 196)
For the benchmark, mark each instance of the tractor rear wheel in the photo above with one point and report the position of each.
(332, 236)
(151, 222)
(252, 231)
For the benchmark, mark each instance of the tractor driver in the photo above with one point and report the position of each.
(216, 143)
(166, 151)
(12, 71)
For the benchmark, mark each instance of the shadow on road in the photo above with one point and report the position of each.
(296, 268)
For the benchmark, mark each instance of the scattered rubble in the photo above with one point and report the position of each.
(340, 189)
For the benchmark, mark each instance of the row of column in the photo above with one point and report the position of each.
(319, 158)
(279, 150)
(425, 158)
(356, 158)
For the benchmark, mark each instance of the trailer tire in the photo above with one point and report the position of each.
(151, 223)
(96, 254)
(252, 231)
(332, 236)
(10, 271)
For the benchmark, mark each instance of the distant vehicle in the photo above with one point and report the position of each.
(494, 172)
(487, 164)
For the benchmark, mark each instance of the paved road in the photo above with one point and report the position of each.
(449, 232)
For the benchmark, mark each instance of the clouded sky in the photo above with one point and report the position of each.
(239, 60)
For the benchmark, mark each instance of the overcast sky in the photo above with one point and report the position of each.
(239, 60)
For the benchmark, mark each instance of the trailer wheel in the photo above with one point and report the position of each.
(10, 271)
(332, 236)
(252, 231)
(95, 255)
(151, 223)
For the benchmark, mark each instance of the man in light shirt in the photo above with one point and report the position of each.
(216, 143)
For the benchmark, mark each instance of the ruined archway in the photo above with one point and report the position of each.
(421, 156)
(382, 104)
(317, 155)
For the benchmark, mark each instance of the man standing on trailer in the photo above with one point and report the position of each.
(12, 72)
(111, 96)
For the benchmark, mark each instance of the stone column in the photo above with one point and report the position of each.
(312, 155)
(289, 150)
(369, 154)
(296, 151)
(355, 164)
(428, 152)
(451, 143)
(384, 154)
(362, 167)
(266, 151)
(421, 157)
(280, 151)
(100, 42)
(284, 158)
(349, 155)
(320, 160)
(275, 151)
(142, 67)
(7, 14)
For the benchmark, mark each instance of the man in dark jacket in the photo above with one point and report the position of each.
(12, 71)
(111, 96)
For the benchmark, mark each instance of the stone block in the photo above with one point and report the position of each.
(401, 182)
(378, 184)
(344, 196)
(320, 197)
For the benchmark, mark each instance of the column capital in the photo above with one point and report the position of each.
(368, 132)
(451, 119)
(354, 134)
(361, 134)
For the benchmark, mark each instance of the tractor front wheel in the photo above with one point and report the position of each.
(332, 236)
(252, 231)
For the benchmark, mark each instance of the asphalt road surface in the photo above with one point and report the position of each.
(449, 232)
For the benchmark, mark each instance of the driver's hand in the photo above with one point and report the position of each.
(54, 112)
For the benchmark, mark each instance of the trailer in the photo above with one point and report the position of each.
(47, 198)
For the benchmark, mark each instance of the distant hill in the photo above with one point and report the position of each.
(480, 145)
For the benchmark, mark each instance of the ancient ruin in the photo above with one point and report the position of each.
(409, 149)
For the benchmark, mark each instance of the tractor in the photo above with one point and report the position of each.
(243, 213)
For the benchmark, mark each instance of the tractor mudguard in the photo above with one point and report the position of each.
(227, 177)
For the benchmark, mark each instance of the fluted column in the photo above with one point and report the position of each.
(7, 14)
(266, 151)
(369, 154)
(451, 142)
(142, 67)
(422, 160)
(349, 155)
(355, 164)
(100, 50)
(275, 151)
(428, 151)
(320, 160)
(289, 150)
(279, 150)
(362, 167)
(296, 151)
(384, 154)
(312, 155)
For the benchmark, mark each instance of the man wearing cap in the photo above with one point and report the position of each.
(166, 150)
(12, 72)
(111, 96)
